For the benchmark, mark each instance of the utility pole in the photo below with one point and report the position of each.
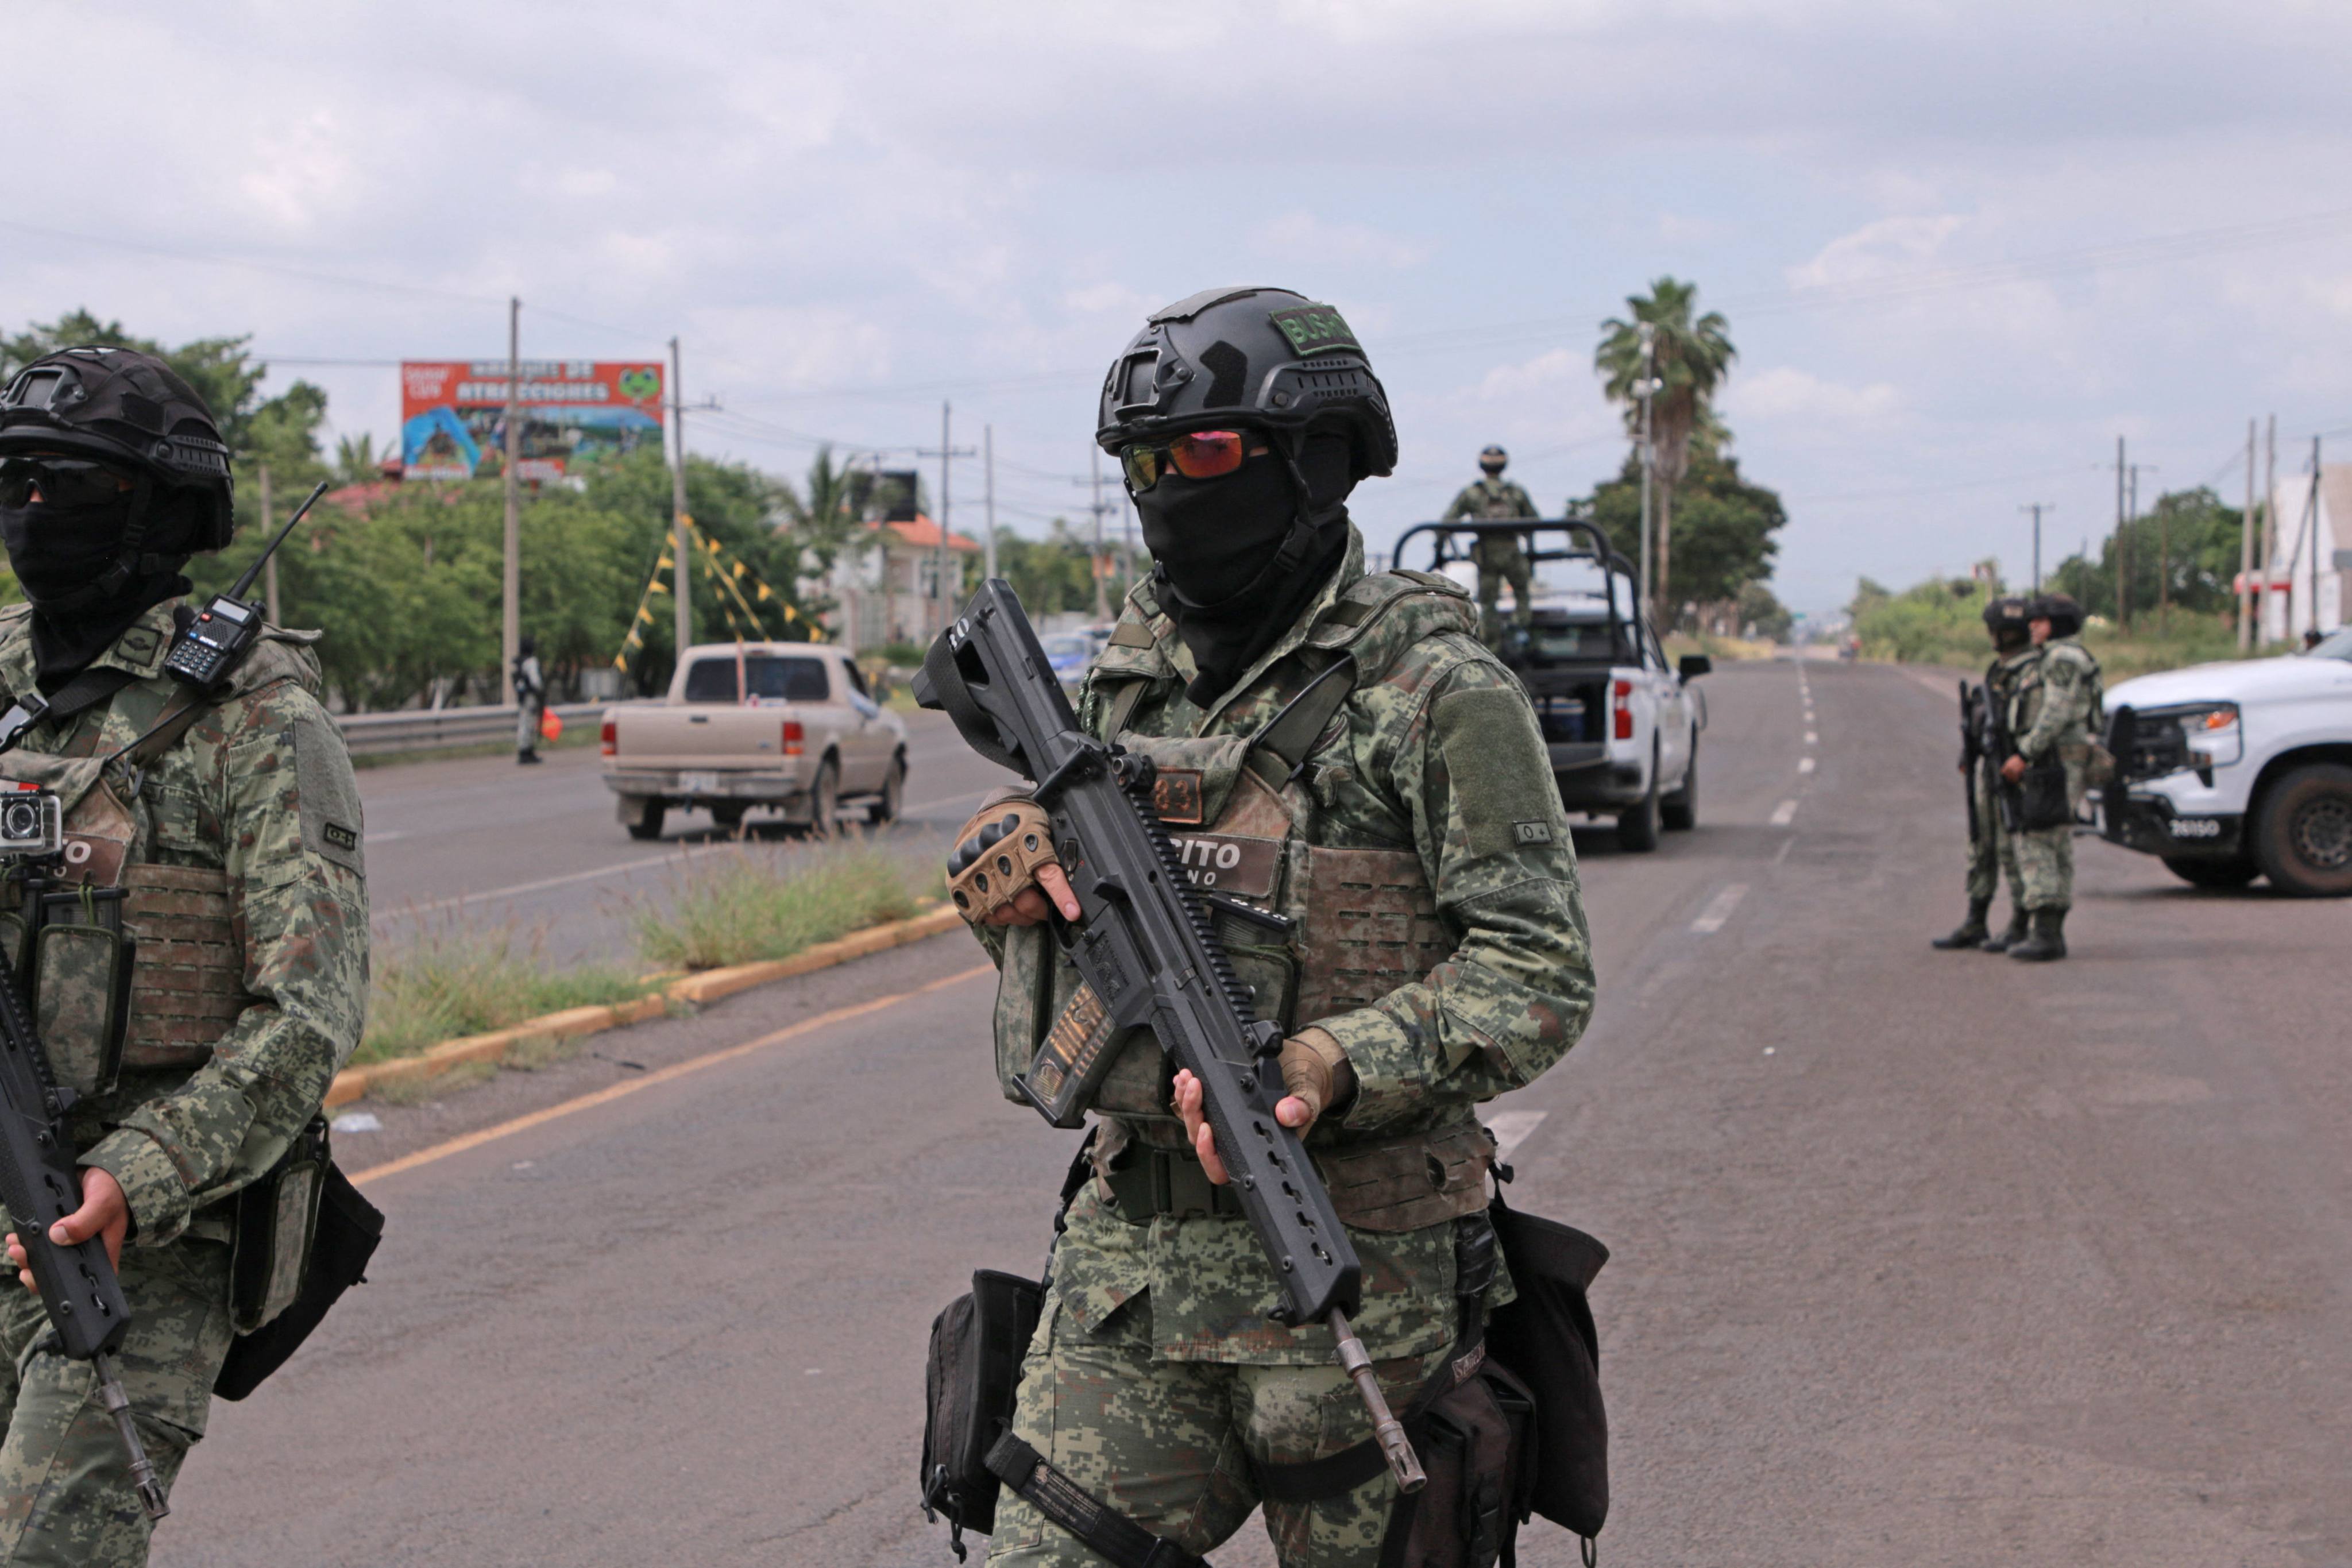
(1102, 609)
(2135, 468)
(2123, 579)
(2246, 554)
(948, 452)
(988, 466)
(270, 572)
(680, 525)
(2037, 508)
(2270, 521)
(510, 631)
(1648, 389)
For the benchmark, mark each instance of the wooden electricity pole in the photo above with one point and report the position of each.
(270, 572)
(680, 525)
(2246, 554)
(510, 630)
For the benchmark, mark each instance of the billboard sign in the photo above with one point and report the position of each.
(453, 415)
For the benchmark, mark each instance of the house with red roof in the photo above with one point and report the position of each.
(899, 581)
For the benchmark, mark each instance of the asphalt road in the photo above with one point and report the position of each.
(483, 844)
(1919, 1258)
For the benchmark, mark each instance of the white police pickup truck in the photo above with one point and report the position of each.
(2228, 771)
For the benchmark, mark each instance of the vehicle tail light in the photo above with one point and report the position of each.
(1619, 691)
(609, 737)
(792, 737)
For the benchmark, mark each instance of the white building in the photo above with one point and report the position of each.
(2309, 533)
(893, 583)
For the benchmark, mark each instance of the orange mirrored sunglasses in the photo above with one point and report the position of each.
(1196, 455)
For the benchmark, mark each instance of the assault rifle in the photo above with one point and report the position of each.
(41, 1185)
(1971, 750)
(1997, 747)
(1144, 945)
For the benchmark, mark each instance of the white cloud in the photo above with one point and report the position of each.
(298, 172)
(1888, 244)
(1546, 371)
(1303, 236)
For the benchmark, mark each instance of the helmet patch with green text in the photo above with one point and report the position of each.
(1316, 330)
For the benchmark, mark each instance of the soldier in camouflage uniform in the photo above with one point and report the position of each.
(1992, 850)
(238, 847)
(2056, 704)
(1500, 557)
(1436, 954)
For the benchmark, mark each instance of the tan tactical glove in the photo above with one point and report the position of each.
(998, 856)
(1316, 1069)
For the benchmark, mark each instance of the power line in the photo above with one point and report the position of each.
(340, 281)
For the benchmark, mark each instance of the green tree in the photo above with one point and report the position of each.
(357, 461)
(1727, 523)
(2190, 537)
(1692, 355)
(1053, 575)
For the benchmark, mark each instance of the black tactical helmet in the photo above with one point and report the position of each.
(2064, 615)
(131, 409)
(2005, 618)
(1264, 358)
(1493, 460)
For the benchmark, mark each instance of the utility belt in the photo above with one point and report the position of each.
(1510, 1424)
(1388, 1186)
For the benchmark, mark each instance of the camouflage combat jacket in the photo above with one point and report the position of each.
(2055, 702)
(240, 847)
(1432, 797)
(1489, 501)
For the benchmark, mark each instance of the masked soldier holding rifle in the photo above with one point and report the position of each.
(191, 959)
(1992, 847)
(1364, 788)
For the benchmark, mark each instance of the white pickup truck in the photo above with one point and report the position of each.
(2227, 772)
(1622, 725)
(786, 726)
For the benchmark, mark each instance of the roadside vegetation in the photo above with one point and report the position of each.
(2176, 570)
(734, 904)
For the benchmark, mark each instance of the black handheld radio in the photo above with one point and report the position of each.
(228, 626)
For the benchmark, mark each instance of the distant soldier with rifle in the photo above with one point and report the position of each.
(185, 960)
(2055, 710)
(1362, 789)
(1992, 847)
(1499, 557)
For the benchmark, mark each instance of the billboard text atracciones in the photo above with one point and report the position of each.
(453, 415)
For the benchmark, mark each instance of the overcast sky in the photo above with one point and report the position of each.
(1962, 247)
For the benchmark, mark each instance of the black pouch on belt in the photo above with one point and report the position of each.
(1547, 1336)
(304, 1237)
(2042, 801)
(968, 1385)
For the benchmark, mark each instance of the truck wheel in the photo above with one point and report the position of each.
(2302, 832)
(2235, 871)
(647, 821)
(1637, 828)
(894, 794)
(1678, 812)
(825, 800)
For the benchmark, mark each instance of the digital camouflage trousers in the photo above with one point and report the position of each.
(2045, 868)
(1170, 1444)
(1492, 575)
(1992, 852)
(65, 1486)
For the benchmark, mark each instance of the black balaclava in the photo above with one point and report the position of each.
(58, 550)
(1216, 545)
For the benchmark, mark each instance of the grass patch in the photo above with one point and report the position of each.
(459, 979)
(740, 903)
(423, 1091)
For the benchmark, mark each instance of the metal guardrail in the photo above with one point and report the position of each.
(431, 730)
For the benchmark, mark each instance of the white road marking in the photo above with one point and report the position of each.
(1804, 764)
(1813, 737)
(1784, 814)
(626, 868)
(1511, 1129)
(1711, 919)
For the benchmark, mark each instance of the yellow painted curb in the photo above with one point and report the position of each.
(693, 990)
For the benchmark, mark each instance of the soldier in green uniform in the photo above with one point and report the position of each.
(231, 820)
(2057, 702)
(1991, 850)
(1435, 953)
(1500, 557)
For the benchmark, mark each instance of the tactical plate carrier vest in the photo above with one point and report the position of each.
(1316, 921)
(160, 991)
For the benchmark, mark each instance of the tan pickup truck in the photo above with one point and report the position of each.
(787, 726)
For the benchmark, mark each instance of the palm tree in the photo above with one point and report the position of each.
(1693, 357)
(357, 462)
